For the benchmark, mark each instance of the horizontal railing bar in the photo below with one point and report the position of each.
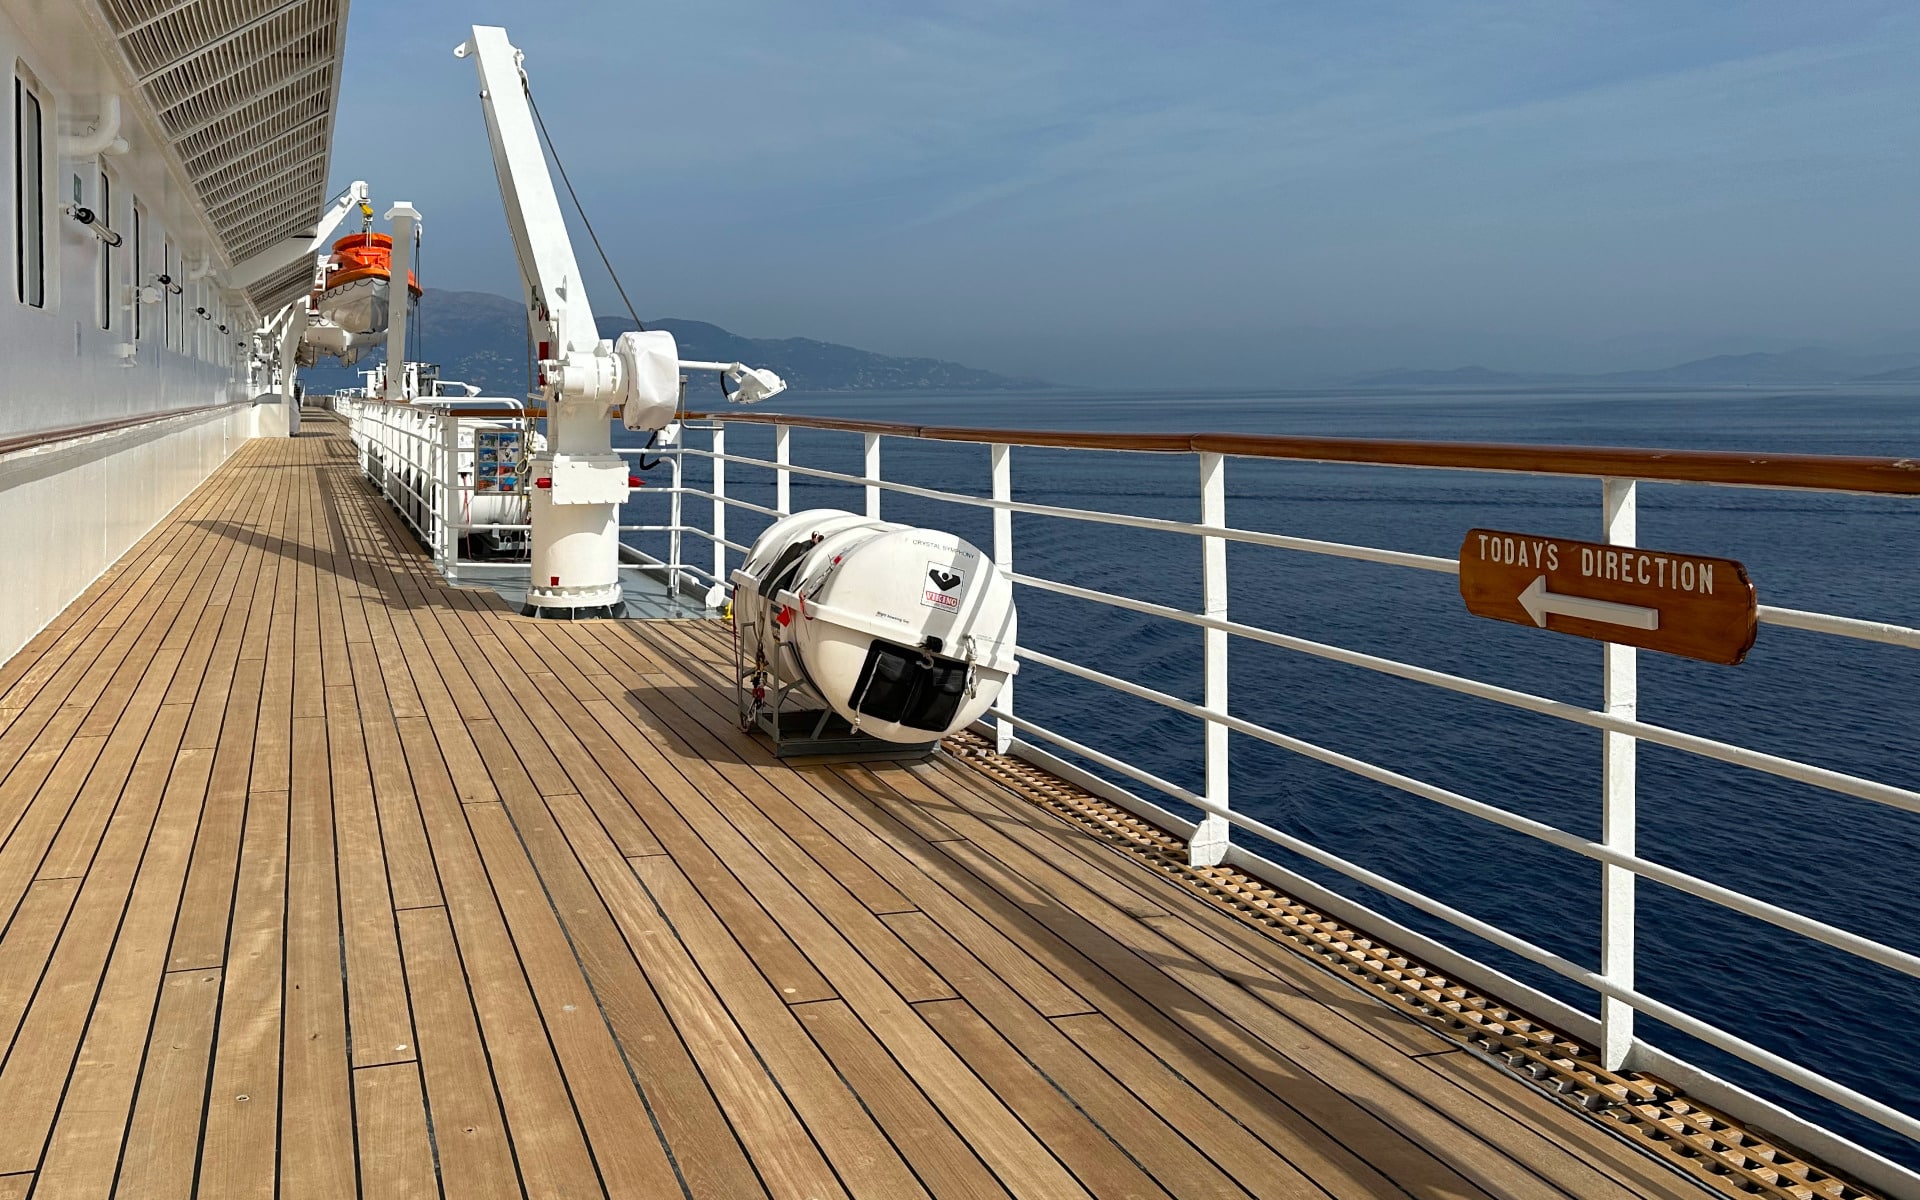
(1740, 902)
(408, 490)
(468, 489)
(497, 526)
(625, 566)
(1852, 627)
(1786, 768)
(729, 500)
(686, 568)
(1767, 1060)
(1814, 472)
(1424, 562)
(708, 535)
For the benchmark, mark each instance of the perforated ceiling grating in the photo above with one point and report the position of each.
(276, 289)
(245, 89)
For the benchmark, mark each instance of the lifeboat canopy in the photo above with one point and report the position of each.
(357, 295)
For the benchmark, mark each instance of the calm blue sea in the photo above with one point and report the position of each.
(1839, 704)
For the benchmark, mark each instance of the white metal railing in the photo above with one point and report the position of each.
(413, 456)
(1616, 717)
(423, 461)
(424, 450)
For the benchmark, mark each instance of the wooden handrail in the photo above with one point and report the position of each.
(1818, 472)
(48, 437)
(1814, 472)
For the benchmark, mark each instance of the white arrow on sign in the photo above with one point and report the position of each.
(1541, 603)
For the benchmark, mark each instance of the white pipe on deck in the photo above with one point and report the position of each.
(104, 138)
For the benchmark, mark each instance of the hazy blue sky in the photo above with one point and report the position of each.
(1238, 192)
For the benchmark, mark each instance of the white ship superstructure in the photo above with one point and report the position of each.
(164, 162)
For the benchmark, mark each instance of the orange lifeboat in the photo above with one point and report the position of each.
(359, 283)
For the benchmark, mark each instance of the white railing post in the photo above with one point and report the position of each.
(782, 478)
(672, 437)
(450, 497)
(1003, 559)
(1208, 844)
(719, 501)
(873, 472)
(1621, 698)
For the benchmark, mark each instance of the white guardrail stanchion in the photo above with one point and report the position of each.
(674, 436)
(450, 495)
(782, 478)
(719, 500)
(1620, 697)
(1208, 844)
(1002, 464)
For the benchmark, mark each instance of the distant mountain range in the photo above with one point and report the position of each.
(1810, 365)
(481, 338)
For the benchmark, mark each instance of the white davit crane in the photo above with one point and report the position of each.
(579, 482)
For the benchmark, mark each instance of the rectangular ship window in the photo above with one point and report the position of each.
(166, 294)
(106, 253)
(139, 266)
(29, 196)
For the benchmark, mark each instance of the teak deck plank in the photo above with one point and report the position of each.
(945, 1163)
(88, 1136)
(1155, 1146)
(396, 1148)
(316, 1114)
(612, 924)
(1092, 1153)
(37, 1067)
(611, 1110)
(376, 985)
(846, 1133)
(162, 1141)
(470, 1134)
(321, 877)
(28, 945)
(242, 1123)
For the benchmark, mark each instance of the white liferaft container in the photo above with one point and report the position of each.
(774, 559)
(907, 633)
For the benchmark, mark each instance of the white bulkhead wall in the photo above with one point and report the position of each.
(58, 367)
(69, 509)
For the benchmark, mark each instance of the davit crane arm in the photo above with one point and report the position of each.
(583, 378)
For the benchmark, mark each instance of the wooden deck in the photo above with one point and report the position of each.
(320, 878)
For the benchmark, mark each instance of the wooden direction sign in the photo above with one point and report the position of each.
(1685, 604)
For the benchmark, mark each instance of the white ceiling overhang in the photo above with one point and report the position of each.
(244, 92)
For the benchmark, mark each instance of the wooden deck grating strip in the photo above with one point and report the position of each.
(321, 877)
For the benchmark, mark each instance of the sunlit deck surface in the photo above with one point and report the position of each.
(322, 878)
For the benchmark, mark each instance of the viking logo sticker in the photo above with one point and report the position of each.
(945, 584)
